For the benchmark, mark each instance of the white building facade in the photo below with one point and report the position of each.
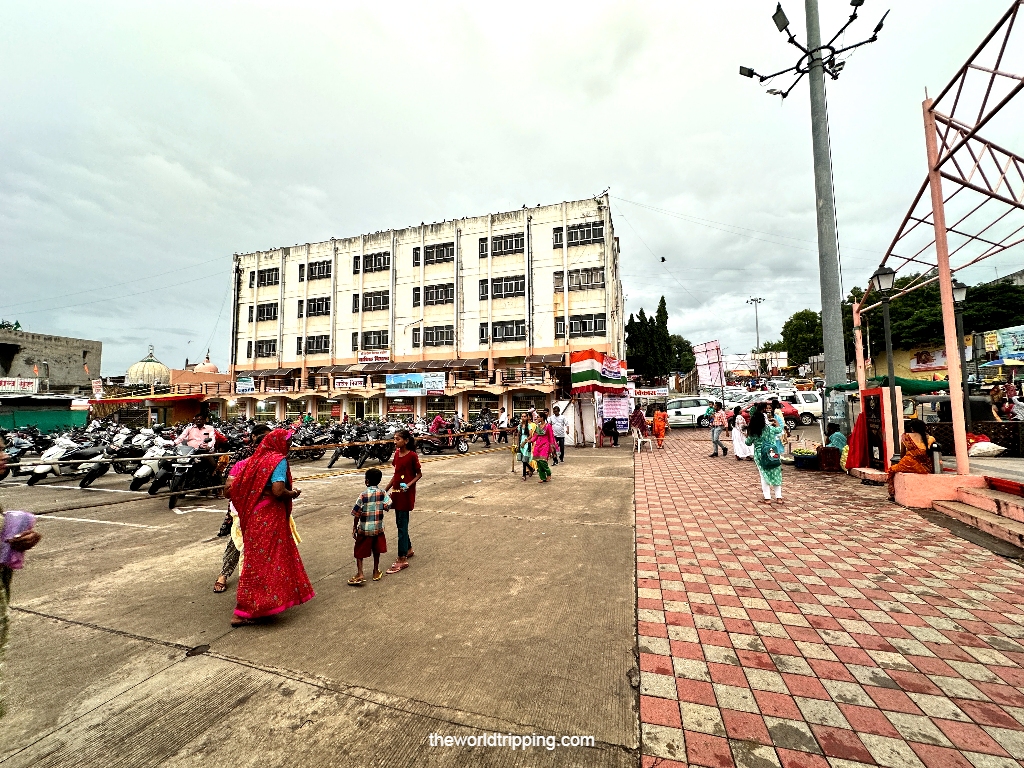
(494, 302)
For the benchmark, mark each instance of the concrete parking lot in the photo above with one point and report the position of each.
(517, 616)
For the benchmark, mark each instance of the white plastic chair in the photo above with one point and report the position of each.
(638, 441)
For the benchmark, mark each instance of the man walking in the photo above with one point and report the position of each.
(558, 426)
(502, 426)
(719, 425)
(484, 423)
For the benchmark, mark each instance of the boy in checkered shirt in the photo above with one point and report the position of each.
(368, 527)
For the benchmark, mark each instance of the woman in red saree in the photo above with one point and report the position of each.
(272, 578)
(915, 444)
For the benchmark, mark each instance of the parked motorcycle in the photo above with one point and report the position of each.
(150, 462)
(190, 469)
(445, 439)
(64, 449)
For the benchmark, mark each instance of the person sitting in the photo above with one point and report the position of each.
(437, 424)
(916, 442)
(834, 437)
(638, 421)
(611, 429)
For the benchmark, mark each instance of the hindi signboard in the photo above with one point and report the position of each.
(18, 386)
(97, 389)
(357, 382)
(378, 356)
(245, 385)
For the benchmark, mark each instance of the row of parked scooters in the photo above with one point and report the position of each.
(150, 456)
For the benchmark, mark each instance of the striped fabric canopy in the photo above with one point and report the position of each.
(597, 372)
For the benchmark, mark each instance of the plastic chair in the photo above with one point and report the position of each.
(638, 441)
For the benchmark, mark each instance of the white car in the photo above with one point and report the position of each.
(808, 403)
(688, 412)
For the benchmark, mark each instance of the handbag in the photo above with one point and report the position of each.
(770, 458)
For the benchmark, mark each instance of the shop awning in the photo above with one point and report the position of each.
(244, 374)
(559, 358)
(274, 372)
(424, 365)
(336, 369)
(154, 399)
(369, 367)
(472, 363)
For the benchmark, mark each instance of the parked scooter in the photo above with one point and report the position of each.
(151, 462)
(64, 449)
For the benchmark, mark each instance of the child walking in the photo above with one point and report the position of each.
(403, 490)
(368, 527)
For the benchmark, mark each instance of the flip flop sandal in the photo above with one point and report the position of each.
(410, 553)
(240, 622)
(356, 581)
(396, 567)
(378, 576)
(218, 587)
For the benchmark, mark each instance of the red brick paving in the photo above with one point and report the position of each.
(835, 631)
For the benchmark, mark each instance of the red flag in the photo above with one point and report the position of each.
(35, 370)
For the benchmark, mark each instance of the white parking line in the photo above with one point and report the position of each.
(101, 522)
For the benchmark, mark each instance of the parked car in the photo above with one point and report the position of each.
(807, 404)
(789, 413)
(688, 412)
(803, 384)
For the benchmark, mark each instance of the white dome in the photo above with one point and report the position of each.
(148, 371)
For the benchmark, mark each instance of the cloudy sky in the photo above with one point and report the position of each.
(143, 144)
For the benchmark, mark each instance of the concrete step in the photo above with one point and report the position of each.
(989, 522)
(867, 473)
(998, 502)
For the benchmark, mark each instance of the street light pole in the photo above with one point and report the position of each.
(883, 281)
(959, 296)
(755, 300)
(828, 241)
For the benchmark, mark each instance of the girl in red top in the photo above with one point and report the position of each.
(403, 494)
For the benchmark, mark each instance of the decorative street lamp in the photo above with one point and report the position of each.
(882, 281)
(959, 297)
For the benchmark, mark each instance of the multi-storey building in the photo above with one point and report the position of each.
(493, 302)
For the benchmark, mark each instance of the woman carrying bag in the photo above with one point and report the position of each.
(762, 435)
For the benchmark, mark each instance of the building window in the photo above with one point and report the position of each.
(509, 330)
(375, 339)
(252, 309)
(483, 328)
(252, 279)
(266, 312)
(580, 234)
(377, 262)
(439, 252)
(300, 308)
(416, 256)
(483, 247)
(271, 276)
(559, 327)
(266, 348)
(415, 337)
(508, 286)
(248, 349)
(302, 272)
(355, 302)
(483, 289)
(503, 245)
(317, 345)
(443, 293)
(416, 296)
(355, 265)
(375, 301)
(355, 340)
(581, 279)
(317, 307)
(298, 345)
(439, 336)
(318, 270)
(586, 325)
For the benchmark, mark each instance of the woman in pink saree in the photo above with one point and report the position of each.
(273, 578)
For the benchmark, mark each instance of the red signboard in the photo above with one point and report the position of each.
(336, 411)
(400, 408)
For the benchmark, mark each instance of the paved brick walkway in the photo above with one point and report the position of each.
(836, 630)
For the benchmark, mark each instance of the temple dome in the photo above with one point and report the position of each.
(148, 371)
(206, 366)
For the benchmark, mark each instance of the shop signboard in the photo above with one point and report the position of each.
(992, 341)
(616, 407)
(19, 386)
(336, 411)
(433, 383)
(379, 356)
(928, 360)
(650, 392)
(245, 385)
(352, 383)
(394, 407)
(97, 388)
(1011, 341)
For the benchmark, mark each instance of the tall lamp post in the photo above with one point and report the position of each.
(882, 281)
(959, 296)
(755, 300)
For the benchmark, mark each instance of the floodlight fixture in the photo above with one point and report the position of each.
(746, 72)
(779, 17)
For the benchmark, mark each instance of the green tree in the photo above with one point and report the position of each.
(682, 358)
(802, 336)
(660, 341)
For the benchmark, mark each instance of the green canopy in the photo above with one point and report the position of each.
(909, 386)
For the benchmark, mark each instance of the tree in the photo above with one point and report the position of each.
(660, 341)
(802, 336)
(649, 346)
(682, 358)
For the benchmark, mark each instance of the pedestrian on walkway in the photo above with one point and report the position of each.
(502, 426)
(762, 436)
(17, 536)
(368, 527)
(660, 424)
(719, 424)
(273, 578)
(740, 448)
(233, 550)
(524, 449)
(779, 416)
(403, 493)
(543, 446)
(558, 427)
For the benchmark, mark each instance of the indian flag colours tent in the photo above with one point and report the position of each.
(597, 372)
